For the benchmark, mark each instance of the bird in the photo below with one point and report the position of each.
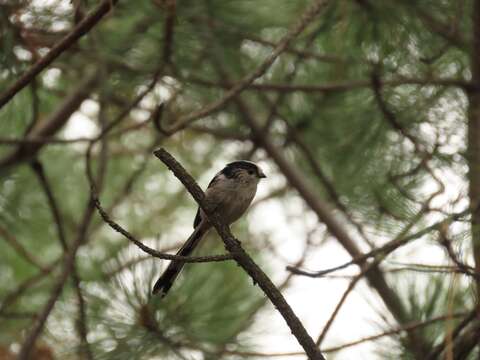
(230, 193)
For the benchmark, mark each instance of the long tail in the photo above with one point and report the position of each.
(165, 282)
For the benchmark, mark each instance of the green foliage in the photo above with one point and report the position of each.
(196, 316)
(424, 302)
(374, 162)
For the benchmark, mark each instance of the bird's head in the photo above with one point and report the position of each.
(246, 170)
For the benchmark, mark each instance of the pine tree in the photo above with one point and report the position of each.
(365, 113)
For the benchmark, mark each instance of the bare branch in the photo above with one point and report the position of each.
(385, 249)
(147, 249)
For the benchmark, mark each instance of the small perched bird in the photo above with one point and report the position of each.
(230, 192)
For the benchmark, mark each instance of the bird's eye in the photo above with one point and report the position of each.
(250, 172)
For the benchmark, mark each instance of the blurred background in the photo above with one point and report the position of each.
(363, 114)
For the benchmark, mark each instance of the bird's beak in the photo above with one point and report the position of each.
(261, 175)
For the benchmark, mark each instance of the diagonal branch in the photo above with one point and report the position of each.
(242, 258)
(71, 38)
(37, 167)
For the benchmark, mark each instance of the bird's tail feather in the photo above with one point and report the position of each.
(165, 282)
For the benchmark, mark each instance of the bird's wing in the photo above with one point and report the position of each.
(198, 216)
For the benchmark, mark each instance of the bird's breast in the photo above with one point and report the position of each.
(232, 199)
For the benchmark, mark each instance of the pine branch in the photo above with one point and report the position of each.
(309, 15)
(71, 38)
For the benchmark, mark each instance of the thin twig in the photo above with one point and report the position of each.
(42, 140)
(115, 226)
(342, 300)
(334, 86)
(386, 249)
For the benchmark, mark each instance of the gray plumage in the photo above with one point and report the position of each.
(230, 192)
